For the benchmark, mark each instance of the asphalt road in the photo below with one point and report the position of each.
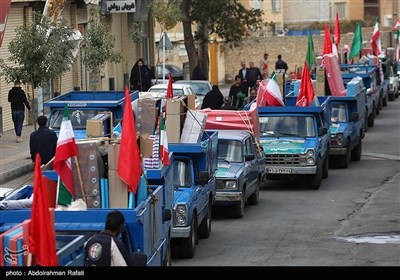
(294, 226)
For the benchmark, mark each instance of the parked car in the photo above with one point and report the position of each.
(199, 87)
(160, 90)
(177, 73)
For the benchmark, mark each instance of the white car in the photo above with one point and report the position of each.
(393, 85)
(160, 90)
(200, 87)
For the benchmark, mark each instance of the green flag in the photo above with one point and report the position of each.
(310, 52)
(356, 45)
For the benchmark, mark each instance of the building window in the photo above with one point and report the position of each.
(340, 9)
(276, 6)
(182, 50)
(257, 4)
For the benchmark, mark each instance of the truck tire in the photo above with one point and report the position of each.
(253, 199)
(385, 101)
(168, 257)
(371, 118)
(325, 167)
(391, 96)
(344, 161)
(396, 95)
(356, 152)
(205, 226)
(366, 120)
(187, 245)
(316, 179)
(238, 208)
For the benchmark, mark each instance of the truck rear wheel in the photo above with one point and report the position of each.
(325, 167)
(344, 161)
(205, 226)
(168, 258)
(356, 152)
(371, 118)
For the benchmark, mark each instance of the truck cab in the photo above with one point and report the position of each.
(296, 141)
(194, 166)
(241, 169)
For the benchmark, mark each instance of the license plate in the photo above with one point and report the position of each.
(279, 170)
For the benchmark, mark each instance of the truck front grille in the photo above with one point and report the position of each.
(283, 160)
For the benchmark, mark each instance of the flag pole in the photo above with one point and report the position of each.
(80, 178)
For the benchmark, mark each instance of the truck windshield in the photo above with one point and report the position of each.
(230, 150)
(182, 173)
(338, 113)
(301, 126)
(78, 118)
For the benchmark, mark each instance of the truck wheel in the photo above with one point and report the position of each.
(168, 258)
(238, 209)
(396, 95)
(391, 96)
(205, 226)
(379, 106)
(371, 118)
(356, 152)
(344, 160)
(187, 245)
(385, 101)
(316, 179)
(253, 199)
(366, 120)
(325, 167)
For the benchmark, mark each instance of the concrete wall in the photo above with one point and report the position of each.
(292, 48)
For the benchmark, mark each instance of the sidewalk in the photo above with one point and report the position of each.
(15, 159)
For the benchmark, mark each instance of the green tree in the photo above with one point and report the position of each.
(227, 19)
(98, 44)
(40, 52)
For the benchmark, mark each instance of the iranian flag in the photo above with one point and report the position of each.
(272, 93)
(164, 154)
(376, 39)
(398, 46)
(66, 149)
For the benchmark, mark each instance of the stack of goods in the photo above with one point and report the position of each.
(153, 161)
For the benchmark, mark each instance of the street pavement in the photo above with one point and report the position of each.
(15, 160)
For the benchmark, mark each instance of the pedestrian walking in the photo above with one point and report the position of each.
(43, 141)
(264, 66)
(17, 98)
(237, 93)
(140, 76)
(213, 99)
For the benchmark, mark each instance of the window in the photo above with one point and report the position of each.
(340, 9)
(276, 6)
(287, 126)
(229, 150)
(257, 4)
(248, 147)
(182, 173)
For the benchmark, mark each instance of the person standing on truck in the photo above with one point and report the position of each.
(103, 248)
(281, 64)
(140, 76)
(43, 141)
(17, 98)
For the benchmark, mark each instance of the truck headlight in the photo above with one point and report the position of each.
(310, 153)
(339, 139)
(310, 157)
(230, 185)
(180, 220)
(181, 209)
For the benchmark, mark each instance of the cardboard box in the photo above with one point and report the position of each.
(118, 191)
(146, 145)
(100, 125)
(146, 115)
(320, 81)
(113, 152)
(176, 114)
(194, 126)
(280, 77)
(191, 102)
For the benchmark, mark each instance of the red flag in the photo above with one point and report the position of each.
(129, 163)
(337, 31)
(260, 94)
(42, 240)
(306, 92)
(169, 89)
(327, 41)
(163, 141)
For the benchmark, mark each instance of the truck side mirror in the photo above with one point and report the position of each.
(166, 215)
(138, 259)
(322, 131)
(203, 178)
(249, 157)
(354, 116)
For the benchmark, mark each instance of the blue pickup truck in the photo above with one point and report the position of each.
(241, 170)
(296, 141)
(84, 105)
(194, 168)
(347, 123)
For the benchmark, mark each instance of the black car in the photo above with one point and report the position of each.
(177, 73)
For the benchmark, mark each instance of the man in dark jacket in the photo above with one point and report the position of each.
(17, 98)
(43, 141)
(104, 249)
(281, 64)
(237, 93)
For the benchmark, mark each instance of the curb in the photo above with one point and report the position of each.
(16, 172)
